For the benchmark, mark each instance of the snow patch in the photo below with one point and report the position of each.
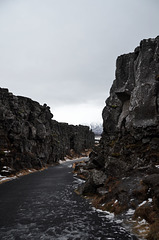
(143, 222)
(3, 178)
(6, 169)
(79, 180)
(69, 166)
(141, 204)
(108, 215)
(119, 221)
(61, 161)
(150, 200)
(7, 151)
(130, 212)
(66, 160)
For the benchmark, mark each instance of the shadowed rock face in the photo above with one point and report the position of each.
(30, 138)
(128, 153)
(130, 118)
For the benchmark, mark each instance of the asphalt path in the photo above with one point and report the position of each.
(43, 205)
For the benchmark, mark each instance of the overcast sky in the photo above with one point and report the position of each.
(63, 52)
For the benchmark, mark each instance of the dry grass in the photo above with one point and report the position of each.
(105, 205)
(150, 214)
(146, 212)
(154, 232)
(139, 227)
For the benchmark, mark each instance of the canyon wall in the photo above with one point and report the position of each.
(123, 170)
(130, 136)
(29, 138)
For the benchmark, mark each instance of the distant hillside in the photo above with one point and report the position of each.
(97, 128)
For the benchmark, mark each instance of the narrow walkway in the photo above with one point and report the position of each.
(43, 205)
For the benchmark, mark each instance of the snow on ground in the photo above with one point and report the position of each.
(141, 204)
(78, 180)
(63, 161)
(107, 214)
(149, 201)
(130, 212)
(4, 178)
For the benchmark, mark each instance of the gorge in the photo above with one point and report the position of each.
(122, 174)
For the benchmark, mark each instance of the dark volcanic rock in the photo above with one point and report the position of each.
(128, 153)
(30, 138)
(130, 136)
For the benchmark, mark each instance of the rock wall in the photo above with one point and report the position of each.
(130, 136)
(123, 170)
(30, 138)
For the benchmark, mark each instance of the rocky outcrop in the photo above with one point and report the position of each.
(131, 118)
(29, 138)
(129, 148)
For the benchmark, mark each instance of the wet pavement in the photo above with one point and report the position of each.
(43, 205)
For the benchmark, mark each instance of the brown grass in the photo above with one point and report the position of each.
(139, 228)
(146, 212)
(154, 232)
(105, 205)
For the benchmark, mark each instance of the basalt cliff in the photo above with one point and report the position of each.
(30, 138)
(123, 171)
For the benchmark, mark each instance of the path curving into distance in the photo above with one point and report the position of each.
(44, 206)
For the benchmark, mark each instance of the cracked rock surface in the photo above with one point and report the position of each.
(128, 153)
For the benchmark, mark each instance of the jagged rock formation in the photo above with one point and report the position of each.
(131, 116)
(128, 154)
(29, 138)
(131, 113)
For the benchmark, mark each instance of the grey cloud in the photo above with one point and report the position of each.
(63, 52)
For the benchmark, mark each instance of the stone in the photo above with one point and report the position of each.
(98, 177)
(32, 138)
(151, 180)
(130, 116)
(129, 147)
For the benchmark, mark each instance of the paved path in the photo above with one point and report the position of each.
(43, 205)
